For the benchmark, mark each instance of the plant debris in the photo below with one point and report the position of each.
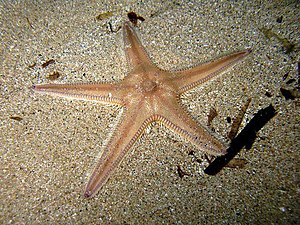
(103, 16)
(32, 65)
(181, 173)
(133, 17)
(212, 114)
(17, 118)
(286, 44)
(48, 62)
(54, 75)
(29, 23)
(238, 120)
(237, 163)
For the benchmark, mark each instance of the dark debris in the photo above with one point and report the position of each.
(133, 17)
(48, 62)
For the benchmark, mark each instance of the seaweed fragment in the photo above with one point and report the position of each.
(181, 173)
(29, 23)
(286, 44)
(17, 118)
(237, 163)
(103, 16)
(32, 65)
(133, 18)
(212, 114)
(238, 120)
(54, 75)
(48, 62)
(113, 30)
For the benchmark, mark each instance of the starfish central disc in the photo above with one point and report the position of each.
(148, 86)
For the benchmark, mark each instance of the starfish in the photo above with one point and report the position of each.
(147, 94)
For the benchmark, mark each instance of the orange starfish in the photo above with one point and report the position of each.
(147, 94)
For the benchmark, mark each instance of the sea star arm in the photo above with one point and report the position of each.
(173, 116)
(127, 132)
(190, 78)
(101, 92)
(134, 50)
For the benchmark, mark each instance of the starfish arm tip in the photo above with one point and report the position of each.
(34, 87)
(87, 194)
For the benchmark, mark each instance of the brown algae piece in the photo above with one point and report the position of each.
(133, 18)
(48, 62)
(212, 114)
(238, 120)
(54, 75)
(17, 118)
(237, 163)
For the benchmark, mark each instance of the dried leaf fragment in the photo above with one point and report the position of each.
(238, 120)
(17, 118)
